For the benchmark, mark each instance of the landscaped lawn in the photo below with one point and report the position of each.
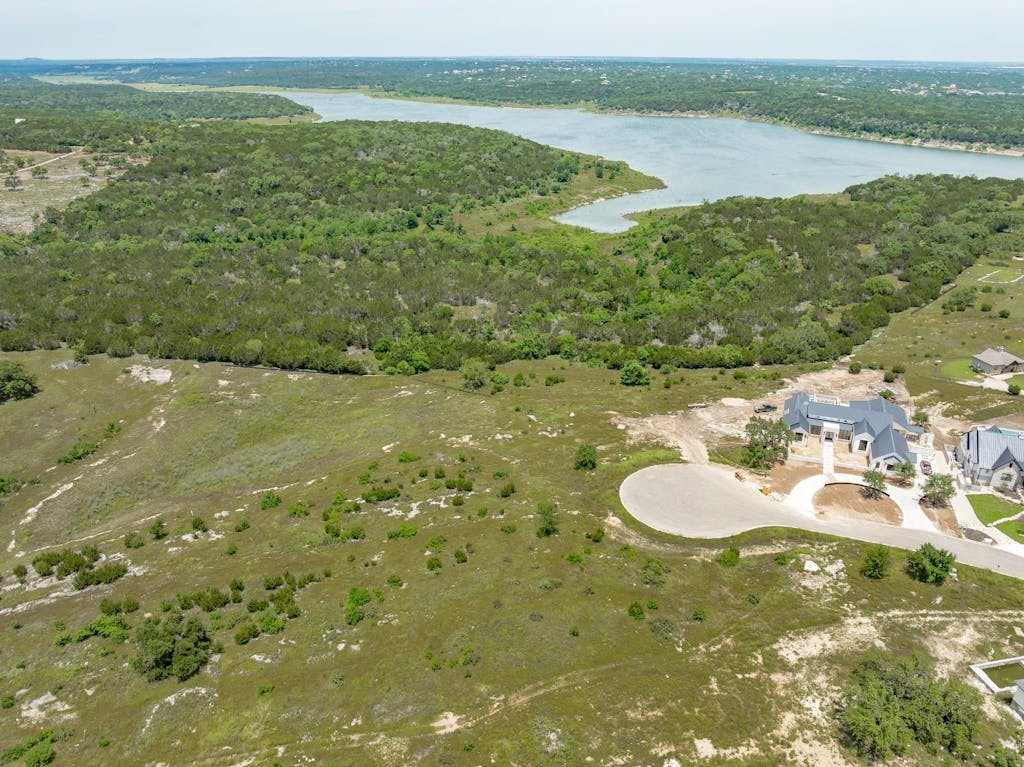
(990, 509)
(959, 368)
(1013, 528)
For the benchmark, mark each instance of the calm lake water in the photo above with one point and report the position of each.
(698, 159)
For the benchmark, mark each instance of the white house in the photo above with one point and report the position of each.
(997, 361)
(992, 456)
(876, 428)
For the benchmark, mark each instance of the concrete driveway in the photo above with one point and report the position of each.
(709, 502)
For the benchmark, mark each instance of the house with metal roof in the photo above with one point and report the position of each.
(876, 429)
(992, 456)
(997, 361)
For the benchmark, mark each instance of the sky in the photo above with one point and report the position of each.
(915, 30)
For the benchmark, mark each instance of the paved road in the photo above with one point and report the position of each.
(708, 502)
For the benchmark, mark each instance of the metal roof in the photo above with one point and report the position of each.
(873, 416)
(998, 357)
(991, 448)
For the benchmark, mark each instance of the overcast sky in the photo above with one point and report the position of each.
(946, 30)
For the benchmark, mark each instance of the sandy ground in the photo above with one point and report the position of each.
(785, 476)
(690, 430)
(850, 502)
(944, 518)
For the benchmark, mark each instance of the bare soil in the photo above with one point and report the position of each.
(785, 476)
(944, 518)
(850, 502)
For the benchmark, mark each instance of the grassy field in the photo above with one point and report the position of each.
(1013, 528)
(936, 347)
(518, 649)
(990, 509)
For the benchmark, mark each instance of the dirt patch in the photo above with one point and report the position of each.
(785, 476)
(944, 518)
(147, 374)
(850, 502)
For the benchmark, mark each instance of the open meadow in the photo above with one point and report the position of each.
(431, 623)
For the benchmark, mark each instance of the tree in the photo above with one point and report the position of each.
(634, 374)
(474, 374)
(548, 516)
(172, 646)
(939, 488)
(16, 382)
(920, 418)
(586, 458)
(12, 182)
(929, 564)
(876, 562)
(1013, 389)
(874, 482)
(905, 471)
(767, 442)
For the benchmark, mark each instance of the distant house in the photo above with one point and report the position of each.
(997, 361)
(875, 428)
(992, 456)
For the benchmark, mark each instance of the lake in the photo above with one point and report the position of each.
(697, 158)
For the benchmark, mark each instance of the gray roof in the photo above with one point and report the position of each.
(991, 448)
(997, 357)
(871, 416)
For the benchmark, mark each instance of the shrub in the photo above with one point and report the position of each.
(889, 376)
(16, 382)
(406, 457)
(597, 536)
(876, 562)
(395, 581)
(380, 494)
(1004, 313)
(509, 528)
(548, 516)
(1013, 389)
(586, 458)
(634, 374)
(458, 500)
(699, 614)
(729, 557)
(507, 489)
(199, 525)
(404, 530)
(269, 500)
(636, 611)
(273, 582)
(256, 605)
(20, 571)
(929, 564)
(855, 368)
(247, 631)
(433, 564)
(299, 509)
(271, 624)
(133, 541)
(107, 573)
(78, 451)
(158, 529)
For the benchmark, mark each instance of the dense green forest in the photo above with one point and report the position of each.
(289, 246)
(114, 117)
(977, 104)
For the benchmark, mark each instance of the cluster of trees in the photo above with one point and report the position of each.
(892, 703)
(894, 101)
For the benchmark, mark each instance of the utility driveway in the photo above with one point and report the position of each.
(707, 502)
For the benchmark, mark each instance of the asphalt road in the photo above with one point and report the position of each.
(708, 502)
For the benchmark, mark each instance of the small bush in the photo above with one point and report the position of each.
(586, 458)
(855, 368)
(433, 564)
(78, 451)
(269, 500)
(406, 457)
(509, 528)
(699, 615)
(507, 489)
(876, 562)
(548, 516)
(404, 530)
(729, 557)
(133, 541)
(199, 525)
(636, 611)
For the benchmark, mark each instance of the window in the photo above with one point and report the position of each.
(845, 434)
(862, 445)
(815, 430)
(1004, 478)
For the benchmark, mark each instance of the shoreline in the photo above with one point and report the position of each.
(950, 146)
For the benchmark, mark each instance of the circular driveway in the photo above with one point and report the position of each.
(709, 502)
